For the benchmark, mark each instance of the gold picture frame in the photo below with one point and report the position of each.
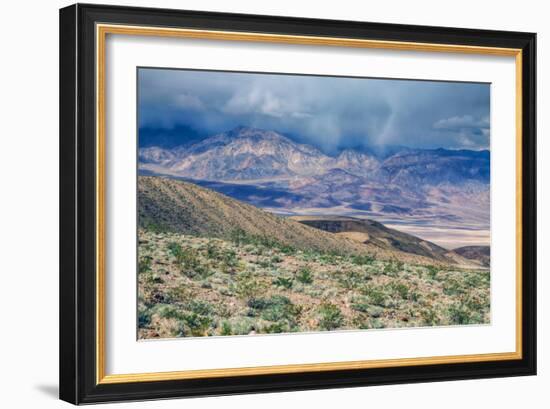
(103, 30)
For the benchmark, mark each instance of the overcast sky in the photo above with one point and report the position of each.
(329, 112)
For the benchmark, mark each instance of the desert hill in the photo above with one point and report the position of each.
(186, 208)
(183, 207)
(370, 231)
(479, 253)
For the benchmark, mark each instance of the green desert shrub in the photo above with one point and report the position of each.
(199, 271)
(350, 279)
(226, 328)
(375, 323)
(366, 322)
(458, 314)
(399, 289)
(429, 317)
(212, 251)
(228, 260)
(247, 285)
(243, 325)
(477, 302)
(375, 295)
(188, 261)
(279, 310)
(392, 268)
(476, 279)
(200, 307)
(287, 249)
(196, 324)
(477, 317)
(452, 287)
(144, 317)
(206, 284)
(265, 263)
(304, 275)
(414, 295)
(258, 303)
(222, 310)
(255, 251)
(284, 282)
(168, 311)
(362, 260)
(330, 316)
(309, 255)
(328, 258)
(144, 265)
(176, 251)
(189, 322)
(148, 278)
(276, 328)
(361, 304)
(178, 294)
(431, 272)
(156, 279)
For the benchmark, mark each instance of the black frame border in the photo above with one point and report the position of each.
(78, 210)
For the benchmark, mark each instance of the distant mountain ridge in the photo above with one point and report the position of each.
(235, 155)
(239, 154)
(270, 170)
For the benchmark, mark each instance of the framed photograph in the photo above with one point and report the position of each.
(257, 203)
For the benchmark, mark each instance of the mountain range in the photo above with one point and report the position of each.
(435, 187)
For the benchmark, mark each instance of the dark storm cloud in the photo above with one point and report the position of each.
(330, 112)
